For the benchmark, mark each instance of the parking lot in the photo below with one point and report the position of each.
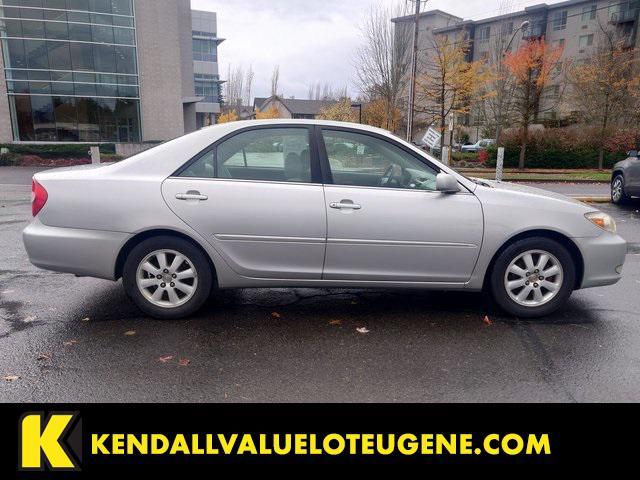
(72, 339)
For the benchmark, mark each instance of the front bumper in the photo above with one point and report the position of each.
(90, 253)
(603, 259)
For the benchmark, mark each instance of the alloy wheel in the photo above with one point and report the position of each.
(533, 278)
(167, 278)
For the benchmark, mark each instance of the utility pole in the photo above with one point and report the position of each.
(414, 67)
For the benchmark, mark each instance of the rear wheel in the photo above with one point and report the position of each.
(167, 277)
(533, 277)
(618, 195)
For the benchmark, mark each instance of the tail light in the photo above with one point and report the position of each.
(39, 197)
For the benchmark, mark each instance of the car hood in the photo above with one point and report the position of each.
(527, 190)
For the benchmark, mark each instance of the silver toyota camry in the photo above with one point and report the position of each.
(302, 203)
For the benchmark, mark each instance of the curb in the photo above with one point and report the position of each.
(592, 199)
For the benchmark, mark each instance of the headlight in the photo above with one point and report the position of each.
(602, 220)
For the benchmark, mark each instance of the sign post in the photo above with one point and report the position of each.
(499, 164)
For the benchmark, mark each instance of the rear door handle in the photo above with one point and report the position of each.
(191, 195)
(346, 204)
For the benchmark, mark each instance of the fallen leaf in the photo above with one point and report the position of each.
(335, 322)
(165, 359)
(354, 302)
(362, 330)
(487, 321)
(68, 343)
(29, 319)
(44, 356)
(11, 378)
(183, 362)
(85, 319)
(130, 333)
(275, 315)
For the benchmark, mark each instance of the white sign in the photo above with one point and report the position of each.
(431, 138)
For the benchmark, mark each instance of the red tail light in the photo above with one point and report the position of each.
(38, 197)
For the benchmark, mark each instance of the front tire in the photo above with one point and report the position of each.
(618, 195)
(533, 277)
(167, 277)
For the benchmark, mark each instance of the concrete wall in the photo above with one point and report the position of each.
(161, 39)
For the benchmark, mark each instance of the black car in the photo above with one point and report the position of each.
(625, 178)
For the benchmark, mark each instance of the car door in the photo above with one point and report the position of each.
(632, 176)
(257, 198)
(386, 221)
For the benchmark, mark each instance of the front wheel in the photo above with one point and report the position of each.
(533, 277)
(618, 195)
(167, 277)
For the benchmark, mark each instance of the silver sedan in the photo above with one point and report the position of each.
(301, 203)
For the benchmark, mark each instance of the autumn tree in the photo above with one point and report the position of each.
(604, 87)
(375, 113)
(533, 66)
(340, 111)
(230, 116)
(448, 83)
(383, 59)
(271, 112)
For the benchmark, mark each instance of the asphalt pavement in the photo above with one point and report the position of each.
(64, 338)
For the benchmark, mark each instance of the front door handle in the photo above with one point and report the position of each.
(191, 195)
(345, 204)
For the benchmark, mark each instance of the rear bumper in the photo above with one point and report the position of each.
(90, 253)
(603, 259)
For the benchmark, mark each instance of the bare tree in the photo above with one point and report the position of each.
(248, 85)
(275, 78)
(382, 60)
(234, 87)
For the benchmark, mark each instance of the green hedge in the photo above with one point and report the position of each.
(580, 157)
(57, 151)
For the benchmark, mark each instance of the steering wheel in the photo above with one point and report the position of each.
(393, 173)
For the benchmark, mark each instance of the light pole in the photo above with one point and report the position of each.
(359, 105)
(414, 67)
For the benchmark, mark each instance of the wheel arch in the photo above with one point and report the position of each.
(569, 244)
(142, 236)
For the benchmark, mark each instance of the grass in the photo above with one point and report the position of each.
(550, 176)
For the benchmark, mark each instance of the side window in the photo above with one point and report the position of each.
(203, 167)
(362, 160)
(274, 154)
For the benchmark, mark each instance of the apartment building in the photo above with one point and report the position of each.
(105, 70)
(573, 24)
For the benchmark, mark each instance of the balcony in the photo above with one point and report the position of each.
(624, 13)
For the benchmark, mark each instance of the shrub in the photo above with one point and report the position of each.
(570, 147)
(57, 151)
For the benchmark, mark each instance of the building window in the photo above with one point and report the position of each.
(560, 20)
(589, 12)
(207, 86)
(71, 70)
(205, 50)
(506, 28)
(484, 33)
(558, 43)
(585, 41)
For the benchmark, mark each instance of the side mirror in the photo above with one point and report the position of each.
(632, 153)
(446, 183)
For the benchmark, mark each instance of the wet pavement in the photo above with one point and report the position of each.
(81, 339)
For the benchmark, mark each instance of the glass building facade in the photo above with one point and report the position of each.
(71, 70)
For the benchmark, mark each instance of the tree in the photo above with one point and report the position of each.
(532, 67)
(230, 116)
(383, 59)
(340, 111)
(271, 112)
(604, 87)
(448, 83)
(374, 113)
(275, 78)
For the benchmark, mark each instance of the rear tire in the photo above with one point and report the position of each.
(533, 277)
(167, 277)
(618, 195)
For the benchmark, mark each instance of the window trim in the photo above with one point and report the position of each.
(327, 176)
(316, 177)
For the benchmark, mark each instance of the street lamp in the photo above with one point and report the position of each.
(523, 26)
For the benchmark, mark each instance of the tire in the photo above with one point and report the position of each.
(536, 298)
(161, 297)
(618, 195)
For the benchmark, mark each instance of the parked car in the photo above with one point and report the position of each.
(479, 145)
(625, 178)
(218, 209)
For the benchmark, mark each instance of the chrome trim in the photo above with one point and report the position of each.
(409, 243)
(243, 180)
(268, 238)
